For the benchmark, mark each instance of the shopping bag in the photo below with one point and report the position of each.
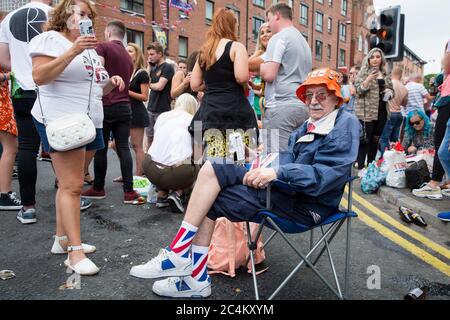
(417, 174)
(373, 179)
(396, 177)
(141, 185)
(229, 250)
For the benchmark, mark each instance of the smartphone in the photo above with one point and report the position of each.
(86, 27)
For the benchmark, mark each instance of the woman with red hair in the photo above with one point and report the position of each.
(222, 72)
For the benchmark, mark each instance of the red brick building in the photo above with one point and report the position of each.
(326, 24)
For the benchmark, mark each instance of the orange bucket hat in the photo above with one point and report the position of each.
(325, 76)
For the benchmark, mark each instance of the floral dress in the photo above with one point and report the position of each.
(7, 120)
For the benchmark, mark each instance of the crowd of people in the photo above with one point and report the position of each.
(181, 121)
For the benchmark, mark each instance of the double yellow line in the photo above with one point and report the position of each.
(393, 236)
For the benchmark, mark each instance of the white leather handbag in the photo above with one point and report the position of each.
(70, 132)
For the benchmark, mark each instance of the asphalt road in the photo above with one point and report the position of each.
(129, 235)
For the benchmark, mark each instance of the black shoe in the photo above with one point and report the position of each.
(8, 201)
(176, 204)
(162, 203)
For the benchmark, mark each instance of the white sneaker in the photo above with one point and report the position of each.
(58, 249)
(182, 287)
(427, 192)
(84, 268)
(446, 192)
(166, 264)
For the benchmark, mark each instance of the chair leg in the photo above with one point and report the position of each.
(304, 260)
(333, 268)
(252, 247)
(331, 239)
(347, 256)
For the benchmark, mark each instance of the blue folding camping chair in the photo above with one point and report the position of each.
(284, 226)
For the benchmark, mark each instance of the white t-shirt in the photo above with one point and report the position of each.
(17, 30)
(69, 93)
(172, 142)
(290, 49)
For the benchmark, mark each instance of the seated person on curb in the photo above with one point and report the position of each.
(418, 132)
(168, 164)
(322, 152)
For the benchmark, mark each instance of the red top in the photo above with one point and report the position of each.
(118, 63)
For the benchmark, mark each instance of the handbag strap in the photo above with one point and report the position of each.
(90, 92)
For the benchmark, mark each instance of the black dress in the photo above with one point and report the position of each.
(224, 105)
(139, 112)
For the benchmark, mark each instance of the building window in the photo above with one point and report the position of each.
(209, 11)
(329, 52)
(319, 47)
(132, 5)
(330, 3)
(304, 14)
(366, 47)
(259, 3)
(330, 25)
(256, 24)
(182, 47)
(342, 32)
(341, 57)
(320, 1)
(135, 37)
(290, 3)
(319, 21)
(344, 4)
(360, 43)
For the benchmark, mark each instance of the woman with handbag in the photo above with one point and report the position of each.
(71, 82)
(373, 90)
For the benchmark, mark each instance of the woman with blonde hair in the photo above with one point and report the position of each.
(222, 68)
(169, 162)
(254, 63)
(138, 92)
(374, 89)
(65, 62)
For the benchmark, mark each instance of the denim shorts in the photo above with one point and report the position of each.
(95, 145)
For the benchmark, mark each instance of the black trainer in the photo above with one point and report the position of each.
(8, 201)
(176, 203)
(162, 203)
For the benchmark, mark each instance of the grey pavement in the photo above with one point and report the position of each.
(129, 235)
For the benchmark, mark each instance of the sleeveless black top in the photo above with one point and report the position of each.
(224, 105)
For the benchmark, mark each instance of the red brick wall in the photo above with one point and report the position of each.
(195, 27)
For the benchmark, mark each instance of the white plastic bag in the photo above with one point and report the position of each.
(152, 195)
(141, 185)
(396, 177)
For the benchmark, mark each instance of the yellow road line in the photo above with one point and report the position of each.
(409, 246)
(413, 234)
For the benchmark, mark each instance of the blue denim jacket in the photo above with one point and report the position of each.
(321, 168)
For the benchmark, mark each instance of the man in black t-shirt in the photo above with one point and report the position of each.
(161, 74)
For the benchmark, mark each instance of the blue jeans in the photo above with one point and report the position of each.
(391, 131)
(444, 152)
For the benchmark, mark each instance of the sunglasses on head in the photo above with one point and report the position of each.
(416, 123)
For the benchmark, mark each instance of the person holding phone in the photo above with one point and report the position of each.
(65, 62)
(373, 90)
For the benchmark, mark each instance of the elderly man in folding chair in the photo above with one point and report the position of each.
(321, 154)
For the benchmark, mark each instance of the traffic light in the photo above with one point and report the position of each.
(389, 36)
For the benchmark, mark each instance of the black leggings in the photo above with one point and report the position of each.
(117, 120)
(374, 129)
(29, 143)
(439, 133)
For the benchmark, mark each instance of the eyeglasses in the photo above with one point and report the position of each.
(320, 96)
(417, 123)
